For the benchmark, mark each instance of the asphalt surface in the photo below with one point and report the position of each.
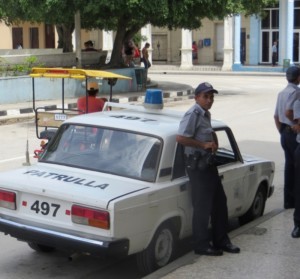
(267, 249)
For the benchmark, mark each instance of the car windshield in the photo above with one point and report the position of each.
(105, 150)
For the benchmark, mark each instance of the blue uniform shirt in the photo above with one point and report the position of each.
(196, 123)
(285, 101)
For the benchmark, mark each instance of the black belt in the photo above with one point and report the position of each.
(286, 128)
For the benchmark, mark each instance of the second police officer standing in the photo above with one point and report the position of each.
(284, 121)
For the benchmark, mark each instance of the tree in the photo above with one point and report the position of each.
(125, 17)
(60, 13)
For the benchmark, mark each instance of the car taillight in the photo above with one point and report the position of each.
(90, 217)
(8, 199)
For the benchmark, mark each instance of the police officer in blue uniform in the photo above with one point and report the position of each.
(296, 128)
(208, 196)
(284, 121)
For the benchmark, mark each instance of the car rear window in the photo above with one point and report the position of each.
(106, 150)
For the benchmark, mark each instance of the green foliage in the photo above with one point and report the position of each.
(138, 39)
(126, 17)
(19, 69)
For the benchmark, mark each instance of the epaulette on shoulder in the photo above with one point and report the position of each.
(196, 111)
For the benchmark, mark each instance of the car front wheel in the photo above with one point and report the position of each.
(257, 208)
(160, 250)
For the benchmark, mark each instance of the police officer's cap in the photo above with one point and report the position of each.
(292, 73)
(204, 88)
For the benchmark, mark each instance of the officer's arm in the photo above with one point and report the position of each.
(187, 141)
(277, 122)
(290, 114)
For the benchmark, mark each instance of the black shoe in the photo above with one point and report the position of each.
(296, 232)
(209, 252)
(230, 248)
(288, 205)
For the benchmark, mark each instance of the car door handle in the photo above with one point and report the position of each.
(183, 187)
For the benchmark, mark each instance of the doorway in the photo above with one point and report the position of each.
(17, 36)
(296, 46)
(267, 39)
(160, 47)
(49, 36)
(243, 46)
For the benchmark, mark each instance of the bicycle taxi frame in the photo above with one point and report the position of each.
(50, 118)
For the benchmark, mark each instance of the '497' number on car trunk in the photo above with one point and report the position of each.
(45, 208)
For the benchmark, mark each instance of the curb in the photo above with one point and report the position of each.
(168, 96)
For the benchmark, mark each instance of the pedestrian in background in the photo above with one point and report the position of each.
(195, 52)
(208, 197)
(274, 53)
(90, 103)
(283, 117)
(129, 49)
(145, 56)
(89, 46)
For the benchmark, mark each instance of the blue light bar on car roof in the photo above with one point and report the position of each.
(154, 99)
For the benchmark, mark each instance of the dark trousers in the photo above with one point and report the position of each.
(289, 145)
(209, 200)
(274, 58)
(297, 186)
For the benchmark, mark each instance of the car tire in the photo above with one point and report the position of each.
(40, 248)
(257, 207)
(160, 251)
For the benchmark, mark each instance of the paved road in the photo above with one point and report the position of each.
(245, 103)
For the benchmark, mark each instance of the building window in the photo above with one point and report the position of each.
(17, 37)
(297, 18)
(269, 33)
(34, 37)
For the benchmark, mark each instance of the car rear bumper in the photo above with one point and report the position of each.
(65, 241)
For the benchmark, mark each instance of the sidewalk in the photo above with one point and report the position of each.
(267, 252)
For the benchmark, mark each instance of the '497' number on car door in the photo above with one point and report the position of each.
(45, 208)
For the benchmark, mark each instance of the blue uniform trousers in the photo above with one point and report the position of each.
(209, 200)
(297, 187)
(289, 145)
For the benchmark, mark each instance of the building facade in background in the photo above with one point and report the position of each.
(234, 43)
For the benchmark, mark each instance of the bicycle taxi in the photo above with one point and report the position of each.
(48, 119)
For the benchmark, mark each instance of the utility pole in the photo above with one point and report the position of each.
(78, 39)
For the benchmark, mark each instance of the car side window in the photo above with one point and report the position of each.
(179, 166)
(226, 151)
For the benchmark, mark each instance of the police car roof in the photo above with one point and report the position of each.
(161, 123)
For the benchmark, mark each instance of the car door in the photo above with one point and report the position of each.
(232, 170)
(180, 178)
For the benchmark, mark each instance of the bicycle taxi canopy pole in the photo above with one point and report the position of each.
(53, 117)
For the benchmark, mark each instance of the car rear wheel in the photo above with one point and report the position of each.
(40, 248)
(160, 251)
(257, 208)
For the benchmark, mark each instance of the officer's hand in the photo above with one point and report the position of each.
(211, 145)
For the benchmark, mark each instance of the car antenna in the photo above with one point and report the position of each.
(27, 163)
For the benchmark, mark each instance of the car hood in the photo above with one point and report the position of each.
(250, 158)
(70, 184)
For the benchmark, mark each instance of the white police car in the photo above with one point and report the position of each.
(113, 183)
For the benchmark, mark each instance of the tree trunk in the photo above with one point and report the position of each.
(65, 37)
(116, 60)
